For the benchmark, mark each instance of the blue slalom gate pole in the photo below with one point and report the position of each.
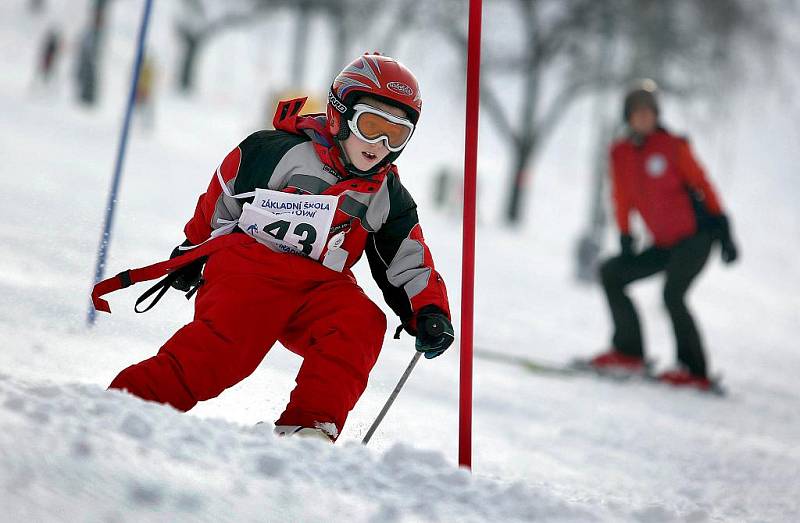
(123, 144)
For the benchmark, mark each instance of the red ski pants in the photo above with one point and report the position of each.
(251, 298)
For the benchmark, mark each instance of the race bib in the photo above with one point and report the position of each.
(290, 223)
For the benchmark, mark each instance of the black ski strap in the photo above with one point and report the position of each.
(162, 268)
(194, 288)
(161, 288)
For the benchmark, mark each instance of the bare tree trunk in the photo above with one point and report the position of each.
(522, 156)
(89, 55)
(36, 6)
(590, 243)
(341, 41)
(405, 17)
(191, 46)
(524, 145)
(300, 44)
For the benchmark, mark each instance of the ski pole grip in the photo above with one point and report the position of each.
(434, 327)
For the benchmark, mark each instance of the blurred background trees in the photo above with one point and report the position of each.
(573, 48)
(691, 49)
(198, 22)
(89, 53)
(540, 57)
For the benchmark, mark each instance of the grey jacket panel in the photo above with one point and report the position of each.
(407, 269)
(302, 160)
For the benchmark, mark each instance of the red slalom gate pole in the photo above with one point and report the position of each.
(468, 258)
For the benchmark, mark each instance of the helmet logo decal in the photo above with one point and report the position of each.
(346, 84)
(363, 70)
(375, 63)
(400, 88)
(655, 165)
(339, 106)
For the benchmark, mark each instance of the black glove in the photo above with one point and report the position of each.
(189, 276)
(626, 246)
(721, 231)
(434, 331)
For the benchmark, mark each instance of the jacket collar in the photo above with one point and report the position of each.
(639, 141)
(315, 126)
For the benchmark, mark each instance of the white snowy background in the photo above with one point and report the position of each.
(545, 448)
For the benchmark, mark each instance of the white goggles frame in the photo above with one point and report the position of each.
(364, 108)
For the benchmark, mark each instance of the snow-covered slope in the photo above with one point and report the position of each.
(545, 447)
(78, 452)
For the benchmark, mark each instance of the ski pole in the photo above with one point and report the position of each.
(391, 399)
(122, 146)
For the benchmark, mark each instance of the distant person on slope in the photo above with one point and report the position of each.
(285, 217)
(144, 100)
(48, 56)
(655, 173)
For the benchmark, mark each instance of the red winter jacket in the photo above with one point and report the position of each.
(658, 179)
(375, 214)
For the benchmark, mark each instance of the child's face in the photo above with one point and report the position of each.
(363, 155)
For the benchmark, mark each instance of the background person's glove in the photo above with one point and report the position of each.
(434, 331)
(626, 246)
(190, 276)
(722, 232)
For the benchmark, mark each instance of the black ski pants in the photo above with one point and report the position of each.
(681, 264)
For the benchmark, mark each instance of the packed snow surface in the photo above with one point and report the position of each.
(545, 448)
(72, 451)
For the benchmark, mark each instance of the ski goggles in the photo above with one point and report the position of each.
(373, 125)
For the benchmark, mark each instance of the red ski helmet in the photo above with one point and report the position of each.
(380, 77)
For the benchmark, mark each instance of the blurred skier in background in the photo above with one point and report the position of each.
(144, 100)
(48, 56)
(655, 173)
(286, 215)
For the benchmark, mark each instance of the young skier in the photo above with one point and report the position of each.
(655, 173)
(285, 217)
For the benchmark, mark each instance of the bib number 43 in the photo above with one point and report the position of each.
(306, 233)
(289, 223)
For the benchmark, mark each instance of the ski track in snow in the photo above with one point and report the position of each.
(545, 448)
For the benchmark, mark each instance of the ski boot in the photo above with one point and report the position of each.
(615, 364)
(320, 431)
(681, 377)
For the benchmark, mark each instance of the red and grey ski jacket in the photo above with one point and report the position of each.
(660, 179)
(376, 213)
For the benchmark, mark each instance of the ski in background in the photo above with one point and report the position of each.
(580, 367)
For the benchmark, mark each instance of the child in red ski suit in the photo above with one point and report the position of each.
(285, 217)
